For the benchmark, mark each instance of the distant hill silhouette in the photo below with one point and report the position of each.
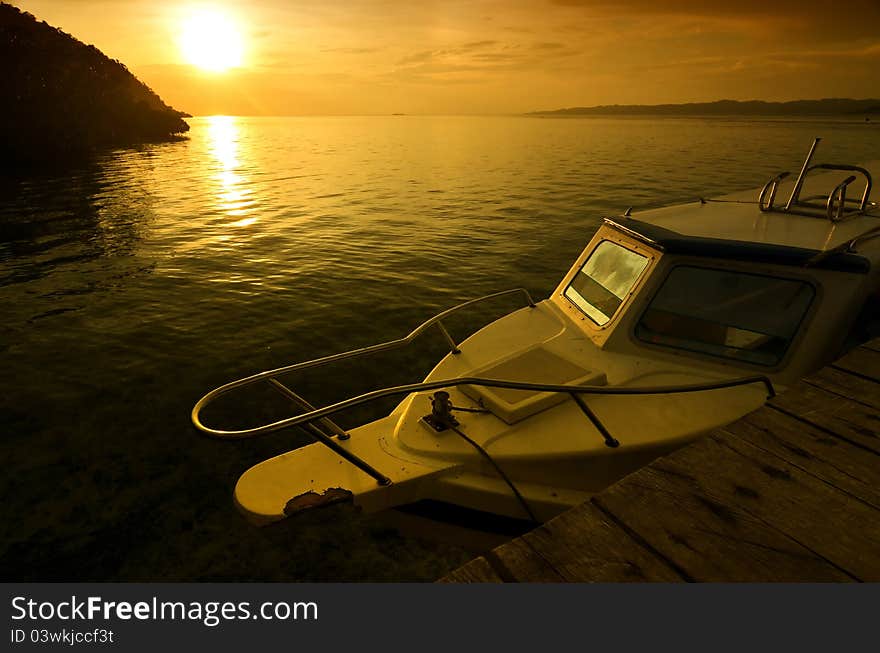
(827, 107)
(64, 99)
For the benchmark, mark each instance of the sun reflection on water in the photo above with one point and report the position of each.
(235, 197)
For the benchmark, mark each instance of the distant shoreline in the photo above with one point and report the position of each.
(827, 108)
(857, 118)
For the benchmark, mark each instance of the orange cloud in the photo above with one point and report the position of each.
(474, 56)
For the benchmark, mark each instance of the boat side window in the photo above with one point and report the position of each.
(746, 317)
(604, 280)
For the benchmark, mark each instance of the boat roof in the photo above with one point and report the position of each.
(733, 226)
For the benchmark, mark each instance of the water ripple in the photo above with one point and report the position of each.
(135, 284)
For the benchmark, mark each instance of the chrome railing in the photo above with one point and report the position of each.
(317, 422)
(269, 375)
(833, 206)
(764, 202)
(307, 420)
(423, 386)
(802, 175)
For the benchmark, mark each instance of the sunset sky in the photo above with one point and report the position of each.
(295, 57)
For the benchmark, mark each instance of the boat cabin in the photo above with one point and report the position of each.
(725, 284)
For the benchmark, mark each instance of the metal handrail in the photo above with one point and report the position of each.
(491, 383)
(772, 186)
(834, 207)
(354, 353)
(866, 193)
(313, 417)
(799, 182)
(837, 198)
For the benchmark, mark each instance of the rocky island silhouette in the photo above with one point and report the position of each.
(64, 100)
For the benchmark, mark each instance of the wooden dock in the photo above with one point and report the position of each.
(790, 492)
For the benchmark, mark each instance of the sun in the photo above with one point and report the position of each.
(211, 41)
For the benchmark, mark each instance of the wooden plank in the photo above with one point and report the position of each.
(519, 562)
(477, 570)
(873, 345)
(847, 385)
(689, 506)
(861, 360)
(843, 417)
(584, 545)
(833, 523)
(820, 517)
(831, 459)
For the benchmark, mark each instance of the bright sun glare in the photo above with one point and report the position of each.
(210, 40)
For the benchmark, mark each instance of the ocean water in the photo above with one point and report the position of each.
(134, 284)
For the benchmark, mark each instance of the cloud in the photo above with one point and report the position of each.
(492, 55)
(822, 20)
(418, 57)
(809, 58)
(748, 8)
(478, 45)
(352, 50)
(548, 46)
(480, 61)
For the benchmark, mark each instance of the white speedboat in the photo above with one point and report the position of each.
(671, 323)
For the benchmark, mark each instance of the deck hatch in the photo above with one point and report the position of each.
(535, 365)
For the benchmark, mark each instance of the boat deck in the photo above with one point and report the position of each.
(791, 492)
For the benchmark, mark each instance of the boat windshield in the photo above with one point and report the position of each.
(604, 280)
(747, 317)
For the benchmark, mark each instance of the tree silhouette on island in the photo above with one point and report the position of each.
(64, 100)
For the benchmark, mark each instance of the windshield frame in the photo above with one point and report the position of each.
(598, 308)
(600, 333)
